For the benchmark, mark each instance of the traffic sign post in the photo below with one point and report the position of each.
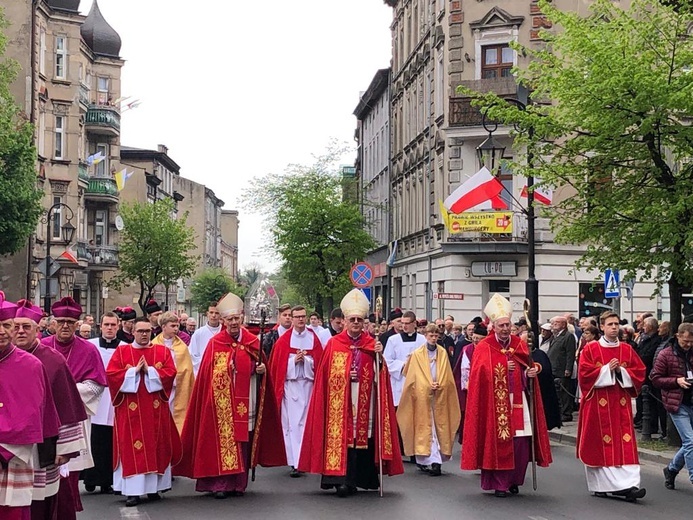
(611, 283)
(361, 275)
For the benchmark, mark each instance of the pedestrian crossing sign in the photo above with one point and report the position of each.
(611, 283)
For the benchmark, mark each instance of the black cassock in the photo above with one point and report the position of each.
(552, 410)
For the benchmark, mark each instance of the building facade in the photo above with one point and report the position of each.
(69, 87)
(437, 46)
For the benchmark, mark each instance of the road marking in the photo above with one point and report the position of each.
(537, 518)
(133, 513)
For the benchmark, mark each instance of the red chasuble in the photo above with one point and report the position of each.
(330, 423)
(606, 436)
(491, 419)
(145, 439)
(217, 418)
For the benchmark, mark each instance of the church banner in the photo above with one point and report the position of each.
(495, 222)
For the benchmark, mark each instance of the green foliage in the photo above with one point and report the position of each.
(154, 248)
(20, 199)
(250, 274)
(210, 285)
(616, 134)
(314, 230)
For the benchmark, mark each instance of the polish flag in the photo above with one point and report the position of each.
(542, 194)
(481, 191)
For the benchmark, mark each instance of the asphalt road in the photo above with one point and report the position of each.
(562, 494)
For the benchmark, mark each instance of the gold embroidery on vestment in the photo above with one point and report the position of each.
(221, 383)
(607, 439)
(337, 383)
(623, 401)
(500, 392)
(156, 403)
(627, 437)
(138, 445)
(132, 406)
(603, 402)
(242, 409)
(158, 365)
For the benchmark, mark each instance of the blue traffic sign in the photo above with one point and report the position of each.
(367, 292)
(361, 275)
(611, 283)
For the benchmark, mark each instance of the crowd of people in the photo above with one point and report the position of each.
(153, 397)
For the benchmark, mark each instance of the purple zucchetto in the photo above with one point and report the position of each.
(26, 309)
(66, 308)
(7, 309)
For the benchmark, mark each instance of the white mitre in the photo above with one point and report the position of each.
(498, 307)
(230, 304)
(355, 303)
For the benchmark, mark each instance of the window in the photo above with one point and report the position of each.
(59, 137)
(100, 228)
(497, 61)
(102, 86)
(61, 57)
(41, 133)
(101, 169)
(42, 51)
(57, 219)
(506, 178)
(499, 286)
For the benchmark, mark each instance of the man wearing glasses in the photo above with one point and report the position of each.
(87, 369)
(342, 431)
(146, 442)
(295, 357)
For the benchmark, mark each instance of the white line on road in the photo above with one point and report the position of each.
(132, 513)
(537, 518)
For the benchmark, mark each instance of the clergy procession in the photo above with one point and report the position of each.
(144, 404)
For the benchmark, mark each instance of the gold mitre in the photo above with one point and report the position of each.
(498, 307)
(230, 304)
(355, 303)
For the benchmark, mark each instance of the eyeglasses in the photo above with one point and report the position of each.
(143, 331)
(354, 319)
(62, 323)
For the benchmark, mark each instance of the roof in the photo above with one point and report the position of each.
(375, 90)
(96, 32)
(140, 154)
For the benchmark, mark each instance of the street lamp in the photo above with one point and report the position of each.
(67, 233)
(490, 154)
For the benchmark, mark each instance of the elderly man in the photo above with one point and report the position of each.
(85, 364)
(29, 422)
(190, 326)
(397, 351)
(127, 323)
(546, 335)
(562, 356)
(179, 397)
(498, 426)
(610, 375)
(292, 366)
(68, 404)
(224, 419)
(341, 441)
(201, 337)
(85, 331)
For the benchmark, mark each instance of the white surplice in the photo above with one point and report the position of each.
(397, 352)
(198, 344)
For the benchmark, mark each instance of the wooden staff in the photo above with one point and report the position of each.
(258, 390)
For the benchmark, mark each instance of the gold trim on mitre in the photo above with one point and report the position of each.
(230, 304)
(355, 303)
(498, 307)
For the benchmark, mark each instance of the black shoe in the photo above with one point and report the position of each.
(326, 486)
(106, 490)
(294, 473)
(236, 493)
(352, 490)
(514, 490)
(221, 495)
(153, 497)
(423, 468)
(435, 470)
(342, 491)
(500, 494)
(599, 494)
(567, 418)
(669, 478)
(634, 493)
(89, 488)
(132, 502)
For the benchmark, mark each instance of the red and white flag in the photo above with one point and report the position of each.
(481, 191)
(542, 194)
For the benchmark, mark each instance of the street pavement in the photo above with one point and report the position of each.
(562, 494)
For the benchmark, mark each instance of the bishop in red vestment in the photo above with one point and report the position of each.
(231, 425)
(342, 437)
(145, 438)
(610, 374)
(498, 427)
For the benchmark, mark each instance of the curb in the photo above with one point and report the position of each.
(569, 439)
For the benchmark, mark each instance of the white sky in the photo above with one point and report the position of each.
(238, 89)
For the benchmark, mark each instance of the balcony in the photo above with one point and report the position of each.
(101, 258)
(103, 120)
(83, 173)
(102, 189)
(473, 242)
(462, 113)
(84, 95)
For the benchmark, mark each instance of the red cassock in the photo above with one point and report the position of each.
(491, 419)
(145, 439)
(330, 423)
(218, 414)
(606, 436)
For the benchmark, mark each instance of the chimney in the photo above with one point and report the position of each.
(162, 148)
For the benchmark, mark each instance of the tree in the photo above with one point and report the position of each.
(20, 198)
(251, 274)
(154, 248)
(210, 285)
(316, 232)
(617, 134)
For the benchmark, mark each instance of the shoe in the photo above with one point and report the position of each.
(90, 488)
(326, 486)
(352, 490)
(669, 478)
(500, 494)
(132, 502)
(567, 418)
(435, 470)
(423, 468)
(153, 497)
(342, 491)
(106, 490)
(294, 473)
(634, 493)
(599, 494)
(236, 493)
(221, 495)
(514, 490)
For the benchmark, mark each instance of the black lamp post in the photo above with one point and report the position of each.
(490, 155)
(67, 233)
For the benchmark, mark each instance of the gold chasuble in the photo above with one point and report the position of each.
(421, 406)
(185, 379)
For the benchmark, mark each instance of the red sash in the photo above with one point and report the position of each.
(363, 406)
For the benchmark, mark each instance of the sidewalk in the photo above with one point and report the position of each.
(567, 435)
